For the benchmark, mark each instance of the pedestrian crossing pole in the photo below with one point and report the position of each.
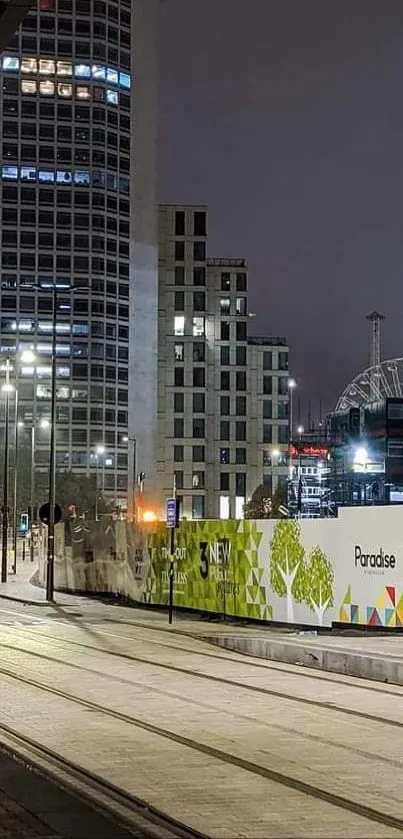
(173, 505)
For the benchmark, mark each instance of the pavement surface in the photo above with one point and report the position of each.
(34, 807)
(225, 744)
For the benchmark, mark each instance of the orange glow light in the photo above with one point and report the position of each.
(149, 515)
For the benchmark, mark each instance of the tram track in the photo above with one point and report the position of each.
(126, 809)
(294, 670)
(256, 689)
(225, 757)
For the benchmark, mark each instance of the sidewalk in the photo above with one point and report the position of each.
(371, 655)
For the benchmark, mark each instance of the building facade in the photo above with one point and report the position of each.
(223, 425)
(70, 222)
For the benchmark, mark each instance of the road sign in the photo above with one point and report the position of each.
(171, 512)
(44, 513)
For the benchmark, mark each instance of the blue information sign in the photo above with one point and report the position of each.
(171, 512)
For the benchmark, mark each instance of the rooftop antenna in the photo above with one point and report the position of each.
(375, 319)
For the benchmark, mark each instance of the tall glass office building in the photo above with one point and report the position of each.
(66, 109)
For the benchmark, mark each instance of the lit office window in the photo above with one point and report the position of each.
(46, 176)
(179, 325)
(98, 71)
(28, 173)
(64, 68)
(28, 86)
(46, 88)
(239, 507)
(198, 327)
(65, 90)
(124, 80)
(46, 66)
(9, 173)
(82, 92)
(224, 507)
(112, 76)
(83, 71)
(29, 65)
(112, 97)
(10, 62)
(81, 177)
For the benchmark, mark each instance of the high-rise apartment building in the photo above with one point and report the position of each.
(223, 397)
(77, 216)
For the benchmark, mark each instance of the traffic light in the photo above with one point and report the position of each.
(71, 511)
(24, 522)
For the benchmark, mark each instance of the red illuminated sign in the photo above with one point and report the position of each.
(309, 451)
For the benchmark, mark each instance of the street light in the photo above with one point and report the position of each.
(99, 451)
(7, 388)
(27, 356)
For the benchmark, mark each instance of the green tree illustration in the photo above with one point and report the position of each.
(318, 583)
(287, 572)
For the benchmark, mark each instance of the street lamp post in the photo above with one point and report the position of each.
(32, 492)
(7, 387)
(100, 450)
(52, 465)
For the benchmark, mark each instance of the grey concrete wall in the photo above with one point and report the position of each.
(144, 250)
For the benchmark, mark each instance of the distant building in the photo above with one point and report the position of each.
(223, 425)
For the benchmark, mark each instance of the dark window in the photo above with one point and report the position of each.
(225, 406)
(282, 410)
(241, 331)
(224, 330)
(241, 282)
(283, 361)
(179, 403)
(267, 409)
(198, 454)
(283, 385)
(240, 484)
(199, 275)
(224, 430)
(267, 433)
(199, 301)
(178, 474)
(267, 384)
(241, 356)
(199, 223)
(178, 427)
(224, 356)
(199, 251)
(179, 301)
(179, 275)
(179, 223)
(224, 481)
(267, 360)
(241, 380)
(178, 454)
(283, 433)
(199, 377)
(179, 376)
(225, 380)
(240, 431)
(198, 427)
(198, 403)
(225, 281)
(240, 456)
(199, 351)
(179, 251)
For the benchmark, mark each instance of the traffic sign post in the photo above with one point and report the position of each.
(172, 521)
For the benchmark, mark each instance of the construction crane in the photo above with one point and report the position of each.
(12, 12)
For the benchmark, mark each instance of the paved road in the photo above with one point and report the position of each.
(226, 745)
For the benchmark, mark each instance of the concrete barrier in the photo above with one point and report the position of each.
(348, 661)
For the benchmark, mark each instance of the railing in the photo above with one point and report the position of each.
(267, 341)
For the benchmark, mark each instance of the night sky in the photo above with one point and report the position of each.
(286, 118)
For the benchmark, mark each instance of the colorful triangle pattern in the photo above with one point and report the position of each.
(387, 611)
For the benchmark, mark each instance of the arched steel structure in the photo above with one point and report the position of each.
(375, 383)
